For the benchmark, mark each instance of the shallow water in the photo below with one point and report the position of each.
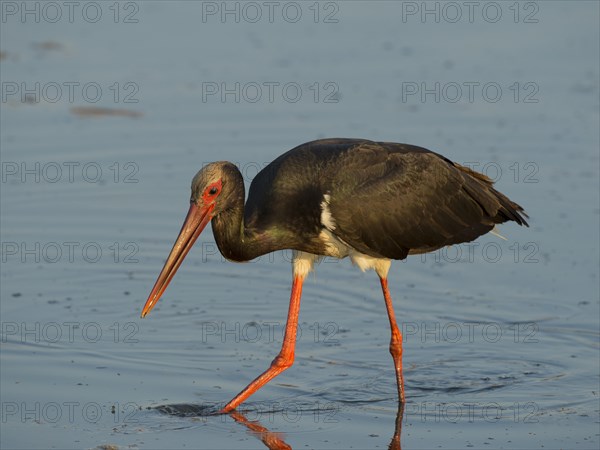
(500, 337)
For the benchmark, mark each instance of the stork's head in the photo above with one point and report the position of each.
(212, 189)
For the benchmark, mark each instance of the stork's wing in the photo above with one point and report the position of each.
(402, 199)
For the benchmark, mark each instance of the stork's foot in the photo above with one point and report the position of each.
(279, 364)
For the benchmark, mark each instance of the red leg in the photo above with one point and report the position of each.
(396, 340)
(284, 359)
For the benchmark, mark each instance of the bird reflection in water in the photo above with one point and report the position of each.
(272, 440)
(275, 440)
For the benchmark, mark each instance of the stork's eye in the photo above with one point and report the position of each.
(211, 191)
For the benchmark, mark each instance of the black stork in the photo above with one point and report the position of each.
(371, 201)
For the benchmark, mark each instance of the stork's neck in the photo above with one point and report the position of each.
(234, 240)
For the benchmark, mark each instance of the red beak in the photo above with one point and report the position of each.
(195, 221)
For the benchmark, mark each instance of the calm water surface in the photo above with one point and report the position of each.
(501, 337)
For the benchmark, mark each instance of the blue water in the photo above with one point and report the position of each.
(501, 337)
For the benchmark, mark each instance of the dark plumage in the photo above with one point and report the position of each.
(371, 201)
(388, 200)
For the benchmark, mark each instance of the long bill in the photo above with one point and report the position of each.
(197, 218)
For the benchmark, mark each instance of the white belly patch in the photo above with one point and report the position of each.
(335, 247)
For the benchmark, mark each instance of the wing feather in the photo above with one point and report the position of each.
(405, 199)
(387, 199)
